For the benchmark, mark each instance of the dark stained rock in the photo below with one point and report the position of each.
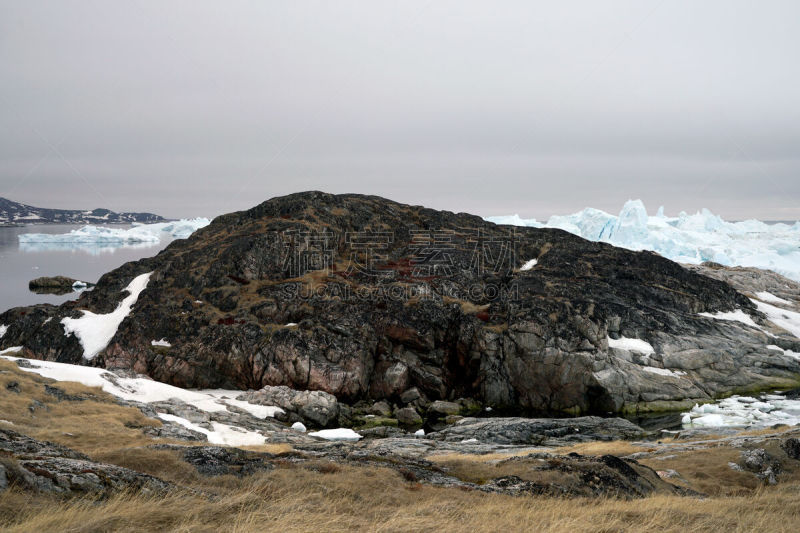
(222, 461)
(792, 448)
(587, 476)
(539, 431)
(367, 299)
(408, 417)
(48, 467)
(56, 285)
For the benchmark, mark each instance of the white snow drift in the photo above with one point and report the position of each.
(96, 331)
(631, 345)
(145, 390)
(685, 238)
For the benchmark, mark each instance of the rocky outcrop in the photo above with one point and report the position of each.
(222, 461)
(368, 299)
(315, 407)
(47, 467)
(57, 285)
(539, 431)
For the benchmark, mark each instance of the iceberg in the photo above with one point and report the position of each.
(105, 237)
(686, 238)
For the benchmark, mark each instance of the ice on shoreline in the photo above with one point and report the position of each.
(696, 238)
(745, 411)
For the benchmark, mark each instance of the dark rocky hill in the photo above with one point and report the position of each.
(364, 298)
(17, 213)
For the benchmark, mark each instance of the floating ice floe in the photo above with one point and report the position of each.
(95, 331)
(98, 237)
(745, 411)
(685, 238)
(336, 434)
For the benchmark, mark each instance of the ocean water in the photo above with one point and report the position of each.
(87, 262)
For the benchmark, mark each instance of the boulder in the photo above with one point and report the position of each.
(317, 408)
(408, 417)
(381, 409)
(440, 408)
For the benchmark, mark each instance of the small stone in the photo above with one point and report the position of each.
(13, 386)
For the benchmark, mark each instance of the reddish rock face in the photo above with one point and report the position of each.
(366, 298)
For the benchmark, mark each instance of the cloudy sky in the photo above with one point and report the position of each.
(199, 107)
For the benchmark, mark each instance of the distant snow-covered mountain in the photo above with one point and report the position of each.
(17, 213)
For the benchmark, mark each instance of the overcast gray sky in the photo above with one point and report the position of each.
(537, 108)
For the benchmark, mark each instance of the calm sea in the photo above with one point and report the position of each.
(87, 262)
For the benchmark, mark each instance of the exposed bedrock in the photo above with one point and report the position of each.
(368, 299)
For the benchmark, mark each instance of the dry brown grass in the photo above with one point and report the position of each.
(318, 496)
(360, 499)
(93, 425)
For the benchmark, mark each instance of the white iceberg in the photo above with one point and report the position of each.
(105, 237)
(696, 238)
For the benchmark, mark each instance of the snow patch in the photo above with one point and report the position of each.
(790, 353)
(336, 434)
(664, 371)
(733, 316)
(631, 345)
(143, 389)
(96, 331)
(299, 426)
(162, 342)
(420, 433)
(221, 433)
(768, 297)
(3, 329)
(529, 264)
(788, 320)
(13, 349)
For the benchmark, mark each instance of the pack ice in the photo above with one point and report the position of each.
(686, 238)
